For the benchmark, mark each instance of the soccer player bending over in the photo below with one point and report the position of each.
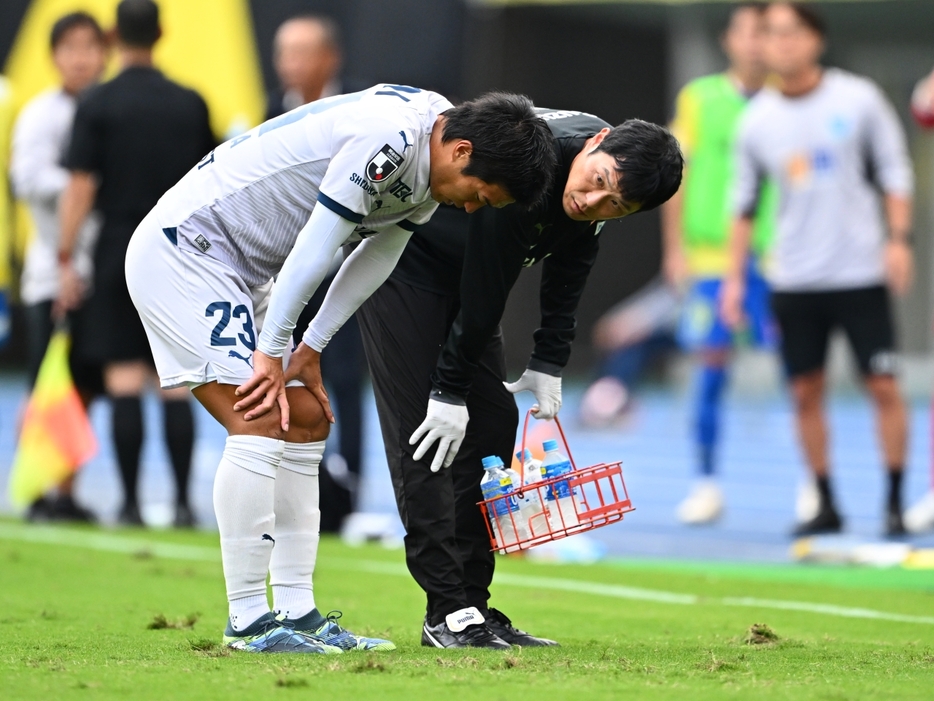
(279, 201)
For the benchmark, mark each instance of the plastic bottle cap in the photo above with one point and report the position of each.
(528, 455)
(550, 445)
(491, 462)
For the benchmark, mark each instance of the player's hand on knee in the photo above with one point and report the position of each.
(305, 366)
(264, 390)
(547, 391)
(445, 423)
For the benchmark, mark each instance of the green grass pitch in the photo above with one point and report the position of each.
(87, 614)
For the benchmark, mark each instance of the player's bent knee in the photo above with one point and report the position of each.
(307, 422)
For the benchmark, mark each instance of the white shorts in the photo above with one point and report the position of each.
(201, 319)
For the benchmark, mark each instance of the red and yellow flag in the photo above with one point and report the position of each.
(56, 438)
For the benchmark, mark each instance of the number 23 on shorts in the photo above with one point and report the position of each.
(247, 338)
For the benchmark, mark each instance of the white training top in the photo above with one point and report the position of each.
(828, 152)
(40, 138)
(363, 156)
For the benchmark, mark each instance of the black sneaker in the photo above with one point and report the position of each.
(66, 508)
(129, 516)
(183, 517)
(502, 627)
(464, 628)
(894, 525)
(826, 521)
(40, 511)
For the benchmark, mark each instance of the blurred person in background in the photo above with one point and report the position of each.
(630, 337)
(920, 517)
(133, 138)
(831, 142)
(40, 140)
(307, 57)
(696, 226)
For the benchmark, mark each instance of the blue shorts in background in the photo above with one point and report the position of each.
(702, 327)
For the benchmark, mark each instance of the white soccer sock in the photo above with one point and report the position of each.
(244, 496)
(298, 522)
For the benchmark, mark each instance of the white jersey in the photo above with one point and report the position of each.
(40, 138)
(364, 155)
(827, 152)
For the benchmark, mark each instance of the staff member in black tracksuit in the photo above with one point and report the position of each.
(602, 173)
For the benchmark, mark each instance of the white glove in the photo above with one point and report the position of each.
(547, 391)
(445, 423)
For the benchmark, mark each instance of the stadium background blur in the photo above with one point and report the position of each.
(617, 60)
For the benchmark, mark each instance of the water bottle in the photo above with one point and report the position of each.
(505, 519)
(562, 511)
(534, 511)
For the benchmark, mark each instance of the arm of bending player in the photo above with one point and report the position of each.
(359, 277)
(301, 274)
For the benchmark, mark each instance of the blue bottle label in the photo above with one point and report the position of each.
(558, 490)
(500, 488)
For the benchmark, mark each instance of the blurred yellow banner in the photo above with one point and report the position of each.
(207, 45)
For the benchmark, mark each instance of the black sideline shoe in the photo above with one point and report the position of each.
(502, 627)
(464, 628)
(826, 521)
(894, 525)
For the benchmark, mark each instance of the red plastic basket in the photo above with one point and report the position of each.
(601, 499)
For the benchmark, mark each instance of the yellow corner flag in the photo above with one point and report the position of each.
(57, 437)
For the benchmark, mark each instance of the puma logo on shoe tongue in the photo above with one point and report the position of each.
(459, 620)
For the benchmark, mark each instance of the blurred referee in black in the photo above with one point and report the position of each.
(133, 138)
(447, 295)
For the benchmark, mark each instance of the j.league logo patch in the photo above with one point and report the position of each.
(383, 164)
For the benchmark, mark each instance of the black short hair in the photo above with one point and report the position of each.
(138, 23)
(73, 20)
(648, 161)
(512, 147)
(809, 17)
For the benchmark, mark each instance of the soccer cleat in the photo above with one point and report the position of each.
(464, 628)
(894, 524)
(66, 508)
(826, 521)
(184, 518)
(502, 627)
(266, 634)
(703, 505)
(327, 631)
(920, 517)
(129, 516)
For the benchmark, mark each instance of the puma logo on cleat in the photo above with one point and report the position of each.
(266, 536)
(244, 358)
(459, 620)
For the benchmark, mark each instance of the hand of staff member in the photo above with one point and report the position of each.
(547, 391)
(733, 293)
(899, 259)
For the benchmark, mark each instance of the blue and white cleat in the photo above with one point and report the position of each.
(266, 634)
(327, 631)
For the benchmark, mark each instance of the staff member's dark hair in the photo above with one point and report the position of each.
(512, 147)
(138, 23)
(648, 161)
(74, 20)
(809, 17)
